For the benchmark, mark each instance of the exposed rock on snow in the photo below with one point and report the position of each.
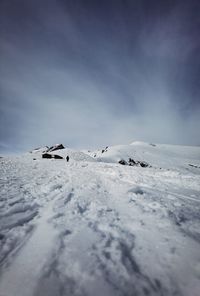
(104, 150)
(132, 162)
(94, 227)
(47, 149)
(123, 162)
(56, 147)
(57, 156)
(143, 164)
(40, 150)
(194, 166)
(47, 155)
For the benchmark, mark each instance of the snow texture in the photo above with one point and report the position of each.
(91, 226)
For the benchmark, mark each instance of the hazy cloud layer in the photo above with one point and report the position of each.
(95, 73)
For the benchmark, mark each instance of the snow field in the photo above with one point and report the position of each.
(98, 228)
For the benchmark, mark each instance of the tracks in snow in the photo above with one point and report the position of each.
(97, 233)
(22, 275)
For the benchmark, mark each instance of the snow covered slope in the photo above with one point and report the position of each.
(74, 155)
(157, 155)
(91, 226)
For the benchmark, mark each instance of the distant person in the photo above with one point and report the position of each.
(67, 158)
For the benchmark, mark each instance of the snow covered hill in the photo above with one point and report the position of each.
(92, 226)
(157, 155)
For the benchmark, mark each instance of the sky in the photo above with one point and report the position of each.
(102, 72)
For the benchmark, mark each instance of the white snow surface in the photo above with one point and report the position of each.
(91, 226)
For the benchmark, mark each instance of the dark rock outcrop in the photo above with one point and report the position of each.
(194, 166)
(132, 162)
(143, 164)
(56, 147)
(104, 150)
(123, 162)
(39, 150)
(57, 156)
(47, 155)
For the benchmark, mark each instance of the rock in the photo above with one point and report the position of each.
(39, 150)
(46, 155)
(123, 162)
(56, 147)
(194, 166)
(132, 162)
(57, 156)
(143, 164)
(104, 150)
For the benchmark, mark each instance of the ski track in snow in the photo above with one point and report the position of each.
(30, 261)
(83, 228)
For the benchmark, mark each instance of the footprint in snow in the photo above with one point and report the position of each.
(136, 190)
(69, 197)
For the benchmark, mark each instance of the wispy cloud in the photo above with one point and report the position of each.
(76, 75)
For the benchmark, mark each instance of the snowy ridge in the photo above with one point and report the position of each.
(91, 226)
(158, 155)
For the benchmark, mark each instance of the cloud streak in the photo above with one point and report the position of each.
(88, 74)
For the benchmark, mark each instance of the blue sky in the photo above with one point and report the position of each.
(95, 73)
